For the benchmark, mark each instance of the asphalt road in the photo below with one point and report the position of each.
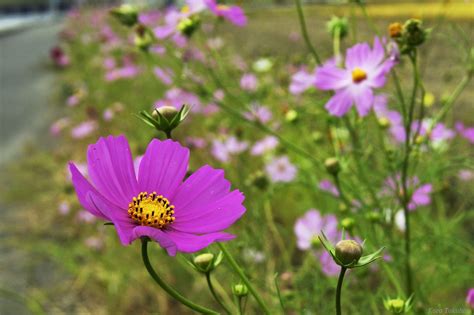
(26, 86)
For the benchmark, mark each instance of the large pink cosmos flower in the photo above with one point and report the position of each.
(232, 13)
(364, 70)
(181, 216)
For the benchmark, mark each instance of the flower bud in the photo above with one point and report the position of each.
(383, 122)
(315, 242)
(332, 165)
(395, 30)
(189, 25)
(259, 180)
(373, 216)
(338, 26)
(240, 290)
(396, 306)
(204, 261)
(316, 136)
(169, 112)
(413, 33)
(348, 251)
(143, 38)
(127, 14)
(347, 223)
(291, 115)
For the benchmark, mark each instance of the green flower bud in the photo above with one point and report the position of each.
(291, 115)
(383, 123)
(348, 251)
(168, 112)
(373, 216)
(189, 25)
(259, 180)
(413, 32)
(398, 305)
(316, 136)
(127, 14)
(143, 38)
(204, 261)
(338, 25)
(332, 165)
(315, 243)
(240, 290)
(347, 223)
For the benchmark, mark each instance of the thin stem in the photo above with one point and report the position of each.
(214, 294)
(304, 32)
(168, 289)
(267, 208)
(168, 134)
(338, 290)
(244, 278)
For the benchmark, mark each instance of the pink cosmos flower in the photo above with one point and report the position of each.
(176, 97)
(265, 145)
(302, 81)
(364, 70)
(126, 72)
(280, 169)
(57, 126)
(467, 133)
(64, 207)
(308, 227)
(249, 82)
(84, 129)
(156, 203)
(232, 13)
(466, 175)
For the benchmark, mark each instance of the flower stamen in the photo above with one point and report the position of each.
(358, 75)
(151, 210)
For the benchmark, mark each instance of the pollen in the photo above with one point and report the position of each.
(151, 210)
(358, 75)
(185, 9)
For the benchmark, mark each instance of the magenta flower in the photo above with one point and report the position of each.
(176, 97)
(308, 227)
(232, 13)
(165, 75)
(222, 150)
(280, 169)
(259, 113)
(420, 195)
(365, 69)
(302, 81)
(181, 216)
(59, 57)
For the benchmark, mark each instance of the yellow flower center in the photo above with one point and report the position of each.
(358, 75)
(185, 9)
(222, 7)
(151, 210)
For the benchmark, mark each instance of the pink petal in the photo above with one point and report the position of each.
(357, 56)
(111, 169)
(340, 103)
(163, 167)
(330, 77)
(364, 99)
(214, 217)
(202, 188)
(190, 243)
(158, 236)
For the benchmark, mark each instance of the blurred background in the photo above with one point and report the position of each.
(29, 85)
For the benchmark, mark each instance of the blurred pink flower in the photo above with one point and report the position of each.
(164, 74)
(64, 207)
(467, 133)
(264, 145)
(85, 216)
(302, 81)
(249, 82)
(420, 195)
(59, 57)
(222, 150)
(84, 129)
(466, 175)
(232, 13)
(176, 97)
(94, 242)
(470, 298)
(259, 113)
(328, 186)
(57, 126)
(280, 169)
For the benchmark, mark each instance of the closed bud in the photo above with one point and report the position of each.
(332, 166)
(338, 26)
(168, 112)
(259, 180)
(347, 223)
(127, 14)
(413, 33)
(398, 305)
(316, 136)
(348, 252)
(240, 290)
(204, 262)
(143, 38)
(291, 115)
(373, 216)
(188, 26)
(383, 123)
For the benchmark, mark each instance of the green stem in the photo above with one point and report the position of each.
(168, 289)
(214, 294)
(168, 134)
(304, 32)
(338, 290)
(244, 278)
